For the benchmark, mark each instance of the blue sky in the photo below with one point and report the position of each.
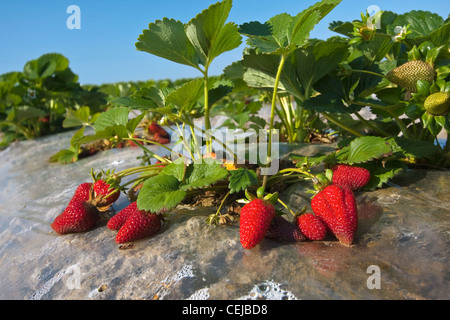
(103, 50)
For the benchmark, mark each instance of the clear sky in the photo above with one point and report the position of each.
(103, 50)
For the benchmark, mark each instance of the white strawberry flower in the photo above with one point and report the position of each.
(401, 33)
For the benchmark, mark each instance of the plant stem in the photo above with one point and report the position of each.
(341, 125)
(283, 117)
(286, 106)
(272, 113)
(207, 112)
(300, 171)
(189, 123)
(223, 201)
(370, 125)
(400, 124)
(134, 170)
(186, 146)
(136, 140)
(369, 72)
(139, 178)
(287, 208)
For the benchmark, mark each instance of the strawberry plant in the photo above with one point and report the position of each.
(392, 73)
(85, 117)
(34, 102)
(195, 44)
(401, 76)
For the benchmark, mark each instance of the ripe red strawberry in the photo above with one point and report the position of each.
(140, 224)
(161, 139)
(159, 134)
(132, 143)
(336, 207)
(282, 230)
(102, 188)
(82, 192)
(351, 177)
(255, 220)
(79, 216)
(311, 226)
(119, 219)
(156, 128)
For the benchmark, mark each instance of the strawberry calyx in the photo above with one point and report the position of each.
(100, 202)
(271, 198)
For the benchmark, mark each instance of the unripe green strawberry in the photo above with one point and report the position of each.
(407, 75)
(255, 219)
(437, 103)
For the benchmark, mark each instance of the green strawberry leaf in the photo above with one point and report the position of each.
(168, 189)
(414, 148)
(329, 103)
(421, 23)
(75, 118)
(381, 174)
(440, 36)
(312, 161)
(199, 175)
(305, 67)
(111, 123)
(283, 33)
(112, 117)
(318, 59)
(259, 36)
(344, 28)
(196, 43)
(210, 35)
(443, 121)
(69, 155)
(363, 149)
(241, 179)
(145, 99)
(187, 95)
(176, 169)
(64, 156)
(77, 135)
(134, 122)
(159, 193)
(109, 132)
(430, 123)
(167, 39)
(218, 92)
(21, 113)
(45, 66)
(261, 69)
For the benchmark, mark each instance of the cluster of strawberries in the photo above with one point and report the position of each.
(334, 206)
(92, 200)
(85, 209)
